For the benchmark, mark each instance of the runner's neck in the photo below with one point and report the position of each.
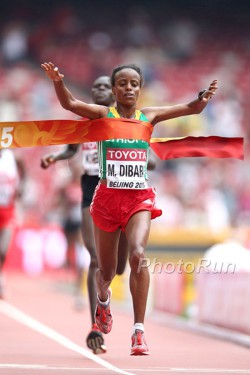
(125, 116)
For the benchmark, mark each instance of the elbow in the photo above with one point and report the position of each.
(68, 103)
(66, 106)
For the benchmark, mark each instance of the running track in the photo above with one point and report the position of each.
(41, 333)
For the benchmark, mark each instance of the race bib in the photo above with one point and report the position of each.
(126, 168)
(90, 158)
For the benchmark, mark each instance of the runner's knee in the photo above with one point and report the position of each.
(135, 257)
(93, 263)
(107, 275)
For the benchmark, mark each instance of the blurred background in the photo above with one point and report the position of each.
(181, 47)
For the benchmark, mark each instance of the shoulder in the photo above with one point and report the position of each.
(148, 114)
(141, 116)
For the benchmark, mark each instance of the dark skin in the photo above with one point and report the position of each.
(126, 89)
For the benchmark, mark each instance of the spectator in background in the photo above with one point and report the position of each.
(14, 46)
(12, 175)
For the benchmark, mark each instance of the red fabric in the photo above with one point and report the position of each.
(55, 132)
(112, 208)
(212, 147)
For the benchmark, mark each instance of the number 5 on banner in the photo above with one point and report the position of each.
(6, 137)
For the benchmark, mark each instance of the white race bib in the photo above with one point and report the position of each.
(90, 158)
(126, 168)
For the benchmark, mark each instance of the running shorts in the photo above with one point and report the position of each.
(71, 226)
(111, 209)
(88, 185)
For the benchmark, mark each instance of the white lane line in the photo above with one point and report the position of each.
(43, 367)
(192, 370)
(16, 314)
(211, 370)
(144, 370)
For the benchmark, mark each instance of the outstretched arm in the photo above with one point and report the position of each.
(158, 114)
(49, 159)
(67, 100)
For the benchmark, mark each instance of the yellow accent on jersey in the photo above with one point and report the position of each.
(114, 112)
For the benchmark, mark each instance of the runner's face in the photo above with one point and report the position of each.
(102, 92)
(127, 86)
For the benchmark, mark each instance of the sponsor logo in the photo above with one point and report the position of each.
(126, 154)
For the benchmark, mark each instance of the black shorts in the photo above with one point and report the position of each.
(71, 226)
(88, 184)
